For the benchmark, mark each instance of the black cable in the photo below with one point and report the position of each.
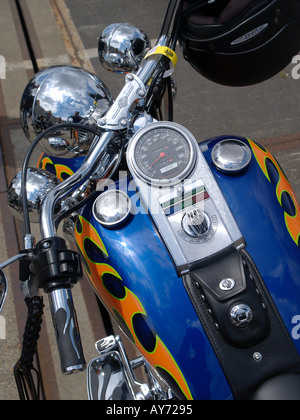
(164, 66)
(176, 28)
(34, 144)
(169, 17)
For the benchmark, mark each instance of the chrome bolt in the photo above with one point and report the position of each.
(257, 357)
(102, 122)
(141, 93)
(227, 284)
(129, 77)
(124, 122)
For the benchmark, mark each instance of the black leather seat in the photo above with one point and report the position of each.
(282, 388)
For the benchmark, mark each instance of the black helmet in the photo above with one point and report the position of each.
(240, 42)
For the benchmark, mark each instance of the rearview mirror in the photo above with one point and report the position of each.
(3, 289)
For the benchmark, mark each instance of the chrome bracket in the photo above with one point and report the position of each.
(117, 118)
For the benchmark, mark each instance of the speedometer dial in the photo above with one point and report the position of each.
(163, 153)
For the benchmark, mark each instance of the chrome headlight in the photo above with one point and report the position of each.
(122, 47)
(63, 94)
(39, 183)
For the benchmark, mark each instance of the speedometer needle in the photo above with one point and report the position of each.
(162, 155)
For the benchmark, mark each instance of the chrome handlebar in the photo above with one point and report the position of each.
(117, 118)
(61, 300)
(47, 224)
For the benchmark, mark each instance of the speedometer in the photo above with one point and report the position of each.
(162, 153)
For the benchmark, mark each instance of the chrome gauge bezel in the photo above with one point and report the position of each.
(154, 127)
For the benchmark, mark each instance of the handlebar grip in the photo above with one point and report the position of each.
(67, 331)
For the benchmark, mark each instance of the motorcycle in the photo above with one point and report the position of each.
(192, 248)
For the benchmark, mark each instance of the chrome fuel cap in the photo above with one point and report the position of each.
(112, 208)
(231, 156)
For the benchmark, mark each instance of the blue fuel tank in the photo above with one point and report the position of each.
(134, 275)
